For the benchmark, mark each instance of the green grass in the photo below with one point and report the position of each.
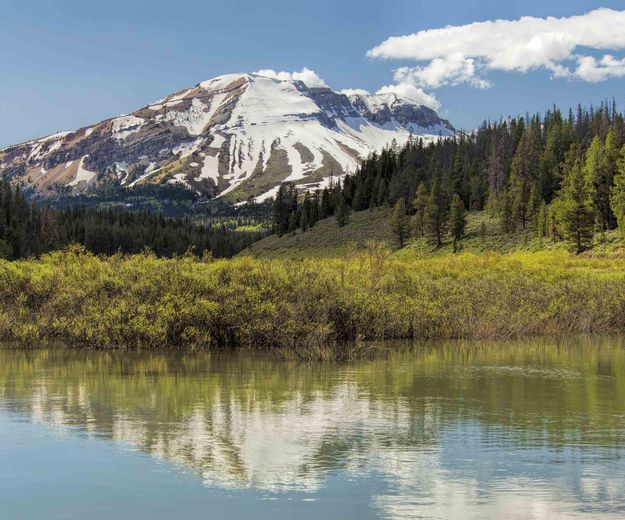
(327, 240)
(492, 240)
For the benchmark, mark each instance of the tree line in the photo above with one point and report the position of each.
(560, 174)
(28, 229)
(292, 210)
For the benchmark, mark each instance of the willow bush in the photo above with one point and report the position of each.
(144, 301)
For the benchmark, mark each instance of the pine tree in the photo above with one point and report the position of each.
(326, 208)
(304, 219)
(611, 156)
(314, 211)
(457, 219)
(559, 137)
(523, 174)
(292, 226)
(617, 193)
(533, 204)
(506, 217)
(382, 195)
(495, 168)
(342, 212)
(599, 180)
(419, 203)
(400, 223)
(574, 208)
(435, 215)
(284, 205)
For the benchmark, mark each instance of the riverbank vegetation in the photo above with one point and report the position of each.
(144, 301)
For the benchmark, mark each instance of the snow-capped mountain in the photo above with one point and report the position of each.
(238, 135)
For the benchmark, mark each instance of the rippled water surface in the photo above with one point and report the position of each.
(524, 430)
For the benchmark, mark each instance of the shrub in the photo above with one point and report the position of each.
(144, 301)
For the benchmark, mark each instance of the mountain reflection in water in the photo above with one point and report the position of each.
(532, 429)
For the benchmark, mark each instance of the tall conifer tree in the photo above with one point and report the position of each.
(400, 223)
(435, 215)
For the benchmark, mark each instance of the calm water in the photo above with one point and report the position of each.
(525, 430)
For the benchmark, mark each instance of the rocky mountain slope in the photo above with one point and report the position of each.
(237, 136)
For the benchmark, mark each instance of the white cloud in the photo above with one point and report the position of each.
(307, 76)
(593, 70)
(453, 70)
(354, 92)
(460, 54)
(410, 91)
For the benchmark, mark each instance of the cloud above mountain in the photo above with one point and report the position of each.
(410, 91)
(354, 92)
(578, 47)
(312, 79)
(401, 89)
(307, 76)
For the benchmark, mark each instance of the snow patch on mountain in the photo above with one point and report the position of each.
(150, 170)
(186, 149)
(180, 178)
(125, 126)
(58, 135)
(83, 175)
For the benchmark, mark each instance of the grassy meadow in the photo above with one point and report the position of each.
(483, 235)
(305, 305)
(326, 239)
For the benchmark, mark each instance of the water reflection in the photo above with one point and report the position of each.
(525, 430)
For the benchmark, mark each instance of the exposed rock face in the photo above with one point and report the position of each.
(238, 135)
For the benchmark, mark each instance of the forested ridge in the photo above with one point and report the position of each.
(561, 174)
(27, 229)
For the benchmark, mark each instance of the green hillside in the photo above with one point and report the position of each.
(326, 238)
(483, 233)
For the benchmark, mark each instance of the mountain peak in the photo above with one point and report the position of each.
(235, 136)
(223, 81)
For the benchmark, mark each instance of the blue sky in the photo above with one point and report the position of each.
(71, 63)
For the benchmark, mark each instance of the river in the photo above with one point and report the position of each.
(522, 430)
